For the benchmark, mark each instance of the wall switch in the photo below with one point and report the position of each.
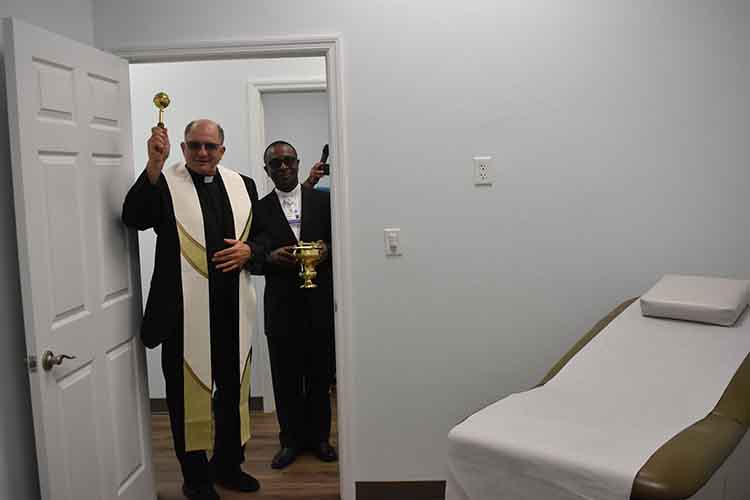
(392, 243)
(484, 171)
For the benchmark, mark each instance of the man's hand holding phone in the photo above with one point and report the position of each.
(318, 170)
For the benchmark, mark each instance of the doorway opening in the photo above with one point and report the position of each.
(290, 69)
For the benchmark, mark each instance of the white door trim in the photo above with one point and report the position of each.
(256, 127)
(286, 86)
(330, 47)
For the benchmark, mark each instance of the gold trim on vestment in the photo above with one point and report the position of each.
(193, 251)
(245, 400)
(199, 426)
(246, 231)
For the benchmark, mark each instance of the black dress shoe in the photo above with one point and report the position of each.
(284, 457)
(200, 492)
(326, 452)
(238, 480)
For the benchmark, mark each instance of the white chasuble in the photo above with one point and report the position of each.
(197, 379)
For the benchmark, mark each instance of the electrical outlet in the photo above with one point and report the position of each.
(484, 171)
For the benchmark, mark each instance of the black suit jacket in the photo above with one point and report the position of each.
(150, 206)
(286, 305)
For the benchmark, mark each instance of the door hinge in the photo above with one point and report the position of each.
(30, 362)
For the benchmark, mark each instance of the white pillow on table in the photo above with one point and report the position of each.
(718, 301)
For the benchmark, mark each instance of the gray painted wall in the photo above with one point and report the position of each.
(18, 470)
(619, 131)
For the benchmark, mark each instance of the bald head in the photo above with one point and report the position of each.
(203, 122)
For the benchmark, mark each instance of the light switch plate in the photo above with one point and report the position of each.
(392, 241)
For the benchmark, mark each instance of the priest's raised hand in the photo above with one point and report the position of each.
(158, 152)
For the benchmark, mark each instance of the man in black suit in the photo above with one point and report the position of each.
(298, 321)
(200, 303)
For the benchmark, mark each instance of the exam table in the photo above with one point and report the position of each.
(694, 464)
(707, 460)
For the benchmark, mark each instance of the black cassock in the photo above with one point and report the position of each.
(298, 322)
(150, 206)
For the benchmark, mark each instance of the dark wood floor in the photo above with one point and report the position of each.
(307, 478)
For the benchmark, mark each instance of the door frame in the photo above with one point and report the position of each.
(286, 86)
(329, 47)
(256, 126)
(274, 86)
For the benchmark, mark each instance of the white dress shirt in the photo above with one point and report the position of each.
(291, 204)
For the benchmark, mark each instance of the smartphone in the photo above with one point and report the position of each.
(324, 159)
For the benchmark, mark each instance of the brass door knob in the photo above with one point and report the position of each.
(49, 360)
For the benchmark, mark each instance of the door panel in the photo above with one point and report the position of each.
(69, 115)
(65, 248)
(113, 181)
(77, 415)
(125, 406)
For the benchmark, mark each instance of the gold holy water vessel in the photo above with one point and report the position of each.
(309, 255)
(161, 101)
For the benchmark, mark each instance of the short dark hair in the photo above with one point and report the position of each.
(277, 143)
(192, 123)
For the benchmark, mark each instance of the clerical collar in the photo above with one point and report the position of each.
(294, 192)
(200, 178)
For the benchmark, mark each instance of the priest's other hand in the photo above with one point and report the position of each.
(283, 256)
(232, 258)
(158, 152)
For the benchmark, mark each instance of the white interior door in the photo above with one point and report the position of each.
(69, 117)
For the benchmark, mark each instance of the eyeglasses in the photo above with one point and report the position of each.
(289, 161)
(197, 145)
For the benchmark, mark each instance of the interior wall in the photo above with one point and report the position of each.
(211, 89)
(18, 468)
(619, 131)
(70, 18)
(300, 118)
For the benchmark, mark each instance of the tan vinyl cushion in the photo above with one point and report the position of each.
(718, 301)
(684, 464)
